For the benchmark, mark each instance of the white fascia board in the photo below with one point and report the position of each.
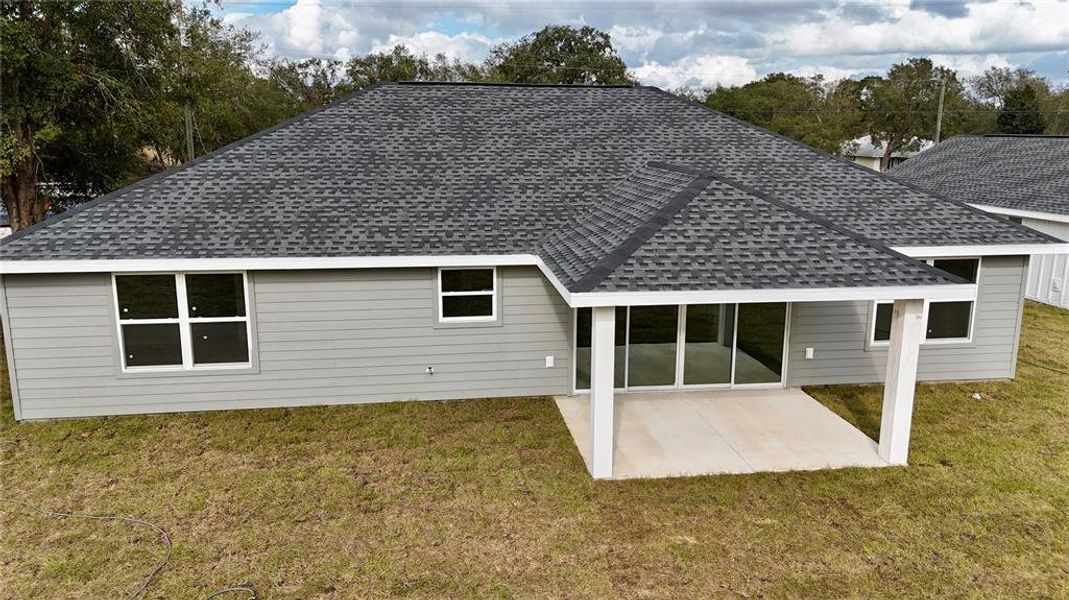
(151, 265)
(1024, 214)
(929, 292)
(972, 251)
(262, 264)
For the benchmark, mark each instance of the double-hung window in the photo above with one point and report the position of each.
(950, 321)
(467, 294)
(183, 321)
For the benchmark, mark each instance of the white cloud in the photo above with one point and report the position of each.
(830, 73)
(697, 72)
(988, 27)
(465, 46)
(687, 44)
(969, 65)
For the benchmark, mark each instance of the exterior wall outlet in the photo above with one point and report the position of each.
(430, 370)
(809, 352)
(550, 360)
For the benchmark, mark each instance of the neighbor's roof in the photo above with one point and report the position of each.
(1022, 172)
(680, 196)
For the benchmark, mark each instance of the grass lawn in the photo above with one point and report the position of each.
(489, 498)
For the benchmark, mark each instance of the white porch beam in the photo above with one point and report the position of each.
(907, 333)
(602, 362)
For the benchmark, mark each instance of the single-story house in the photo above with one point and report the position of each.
(1023, 178)
(443, 241)
(866, 153)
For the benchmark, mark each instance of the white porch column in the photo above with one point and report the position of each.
(907, 332)
(602, 361)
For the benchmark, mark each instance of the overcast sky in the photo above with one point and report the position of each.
(673, 44)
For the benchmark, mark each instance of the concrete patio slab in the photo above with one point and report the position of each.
(675, 433)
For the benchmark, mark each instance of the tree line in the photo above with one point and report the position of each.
(899, 110)
(97, 95)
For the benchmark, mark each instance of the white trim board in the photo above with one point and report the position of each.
(139, 265)
(932, 292)
(974, 251)
(1024, 214)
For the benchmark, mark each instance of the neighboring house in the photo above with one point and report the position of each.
(867, 154)
(1024, 178)
(441, 241)
(5, 224)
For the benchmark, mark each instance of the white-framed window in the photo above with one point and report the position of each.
(182, 321)
(467, 294)
(947, 321)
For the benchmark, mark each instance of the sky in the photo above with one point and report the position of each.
(675, 44)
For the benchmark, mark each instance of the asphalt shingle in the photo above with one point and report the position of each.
(566, 172)
(1017, 172)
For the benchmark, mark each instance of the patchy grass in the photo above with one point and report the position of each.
(489, 498)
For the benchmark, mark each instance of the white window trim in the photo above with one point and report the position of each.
(492, 293)
(874, 343)
(185, 323)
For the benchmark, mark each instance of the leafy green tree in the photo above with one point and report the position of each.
(1021, 112)
(993, 85)
(399, 64)
(901, 108)
(807, 109)
(79, 80)
(307, 84)
(212, 73)
(559, 54)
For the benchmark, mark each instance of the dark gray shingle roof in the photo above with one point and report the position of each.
(1017, 172)
(426, 169)
(710, 232)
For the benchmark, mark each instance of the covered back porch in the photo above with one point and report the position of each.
(669, 394)
(709, 432)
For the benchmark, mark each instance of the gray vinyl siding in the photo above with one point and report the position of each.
(1048, 277)
(320, 337)
(838, 332)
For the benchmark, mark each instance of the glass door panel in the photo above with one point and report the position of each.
(582, 348)
(759, 342)
(708, 341)
(652, 340)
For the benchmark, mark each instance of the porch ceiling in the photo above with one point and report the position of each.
(724, 431)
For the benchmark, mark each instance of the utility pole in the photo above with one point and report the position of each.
(939, 115)
(185, 81)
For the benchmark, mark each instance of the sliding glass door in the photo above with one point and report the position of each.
(652, 333)
(709, 334)
(697, 345)
(759, 341)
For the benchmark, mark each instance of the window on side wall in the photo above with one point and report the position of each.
(946, 321)
(952, 321)
(183, 321)
(467, 295)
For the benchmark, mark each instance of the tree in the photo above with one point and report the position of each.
(992, 86)
(806, 109)
(901, 109)
(1021, 112)
(399, 64)
(559, 54)
(307, 84)
(78, 81)
(212, 72)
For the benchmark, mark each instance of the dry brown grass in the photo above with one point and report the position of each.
(489, 498)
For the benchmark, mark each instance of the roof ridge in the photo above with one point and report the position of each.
(1042, 136)
(642, 234)
(188, 164)
(857, 237)
(414, 82)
